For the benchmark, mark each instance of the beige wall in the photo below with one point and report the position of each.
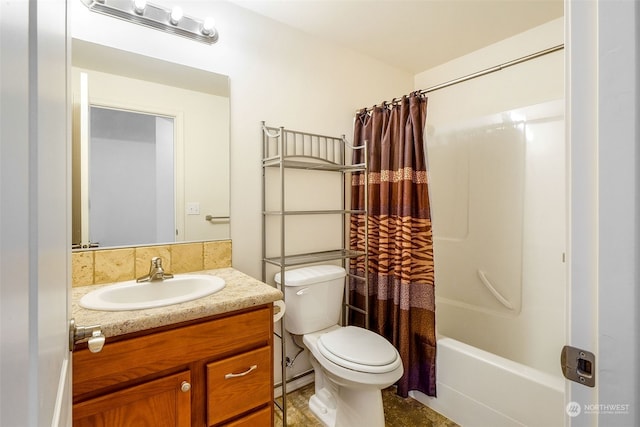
(502, 90)
(277, 74)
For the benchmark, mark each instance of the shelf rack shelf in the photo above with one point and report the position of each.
(312, 257)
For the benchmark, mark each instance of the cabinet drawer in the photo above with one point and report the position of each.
(127, 360)
(238, 384)
(263, 417)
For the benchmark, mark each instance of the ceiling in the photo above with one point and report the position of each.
(413, 35)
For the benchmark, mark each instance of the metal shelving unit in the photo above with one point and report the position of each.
(288, 149)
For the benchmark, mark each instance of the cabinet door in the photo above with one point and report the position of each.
(165, 402)
(238, 384)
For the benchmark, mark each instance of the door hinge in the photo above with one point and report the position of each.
(578, 365)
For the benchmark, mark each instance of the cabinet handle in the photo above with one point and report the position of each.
(185, 386)
(241, 374)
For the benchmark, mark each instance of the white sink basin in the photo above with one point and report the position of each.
(136, 296)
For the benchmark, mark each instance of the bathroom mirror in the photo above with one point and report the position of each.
(150, 150)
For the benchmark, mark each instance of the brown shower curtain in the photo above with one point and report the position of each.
(400, 271)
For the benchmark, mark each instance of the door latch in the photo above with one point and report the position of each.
(578, 365)
(94, 334)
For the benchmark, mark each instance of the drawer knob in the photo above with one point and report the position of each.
(185, 386)
(241, 374)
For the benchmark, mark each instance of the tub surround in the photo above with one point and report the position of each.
(97, 266)
(241, 292)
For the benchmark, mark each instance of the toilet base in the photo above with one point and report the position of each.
(352, 408)
(324, 413)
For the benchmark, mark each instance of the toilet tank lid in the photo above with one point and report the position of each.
(309, 275)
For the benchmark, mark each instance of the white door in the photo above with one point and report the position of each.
(603, 111)
(34, 220)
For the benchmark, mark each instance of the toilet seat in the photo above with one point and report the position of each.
(359, 349)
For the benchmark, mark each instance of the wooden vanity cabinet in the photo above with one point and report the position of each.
(214, 372)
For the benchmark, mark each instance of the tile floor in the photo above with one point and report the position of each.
(399, 412)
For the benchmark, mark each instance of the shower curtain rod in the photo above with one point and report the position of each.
(482, 72)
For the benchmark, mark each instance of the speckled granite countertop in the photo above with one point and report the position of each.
(241, 291)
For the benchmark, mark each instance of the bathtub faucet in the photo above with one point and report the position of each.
(156, 272)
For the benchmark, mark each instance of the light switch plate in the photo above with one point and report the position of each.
(193, 208)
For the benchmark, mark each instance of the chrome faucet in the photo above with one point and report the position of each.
(156, 272)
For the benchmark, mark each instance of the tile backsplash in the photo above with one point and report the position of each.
(119, 264)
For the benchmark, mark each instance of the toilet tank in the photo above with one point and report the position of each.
(313, 297)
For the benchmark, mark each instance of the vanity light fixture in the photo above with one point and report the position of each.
(208, 26)
(150, 15)
(138, 6)
(176, 15)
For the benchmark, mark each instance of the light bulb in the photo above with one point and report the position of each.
(139, 5)
(209, 26)
(176, 15)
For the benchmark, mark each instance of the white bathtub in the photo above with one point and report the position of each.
(477, 388)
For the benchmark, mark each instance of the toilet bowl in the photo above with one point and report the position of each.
(352, 365)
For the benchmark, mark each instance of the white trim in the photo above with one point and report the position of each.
(582, 143)
(61, 410)
(618, 211)
(603, 109)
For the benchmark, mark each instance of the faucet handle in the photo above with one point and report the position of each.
(156, 262)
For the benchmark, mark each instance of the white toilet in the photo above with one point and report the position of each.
(352, 365)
